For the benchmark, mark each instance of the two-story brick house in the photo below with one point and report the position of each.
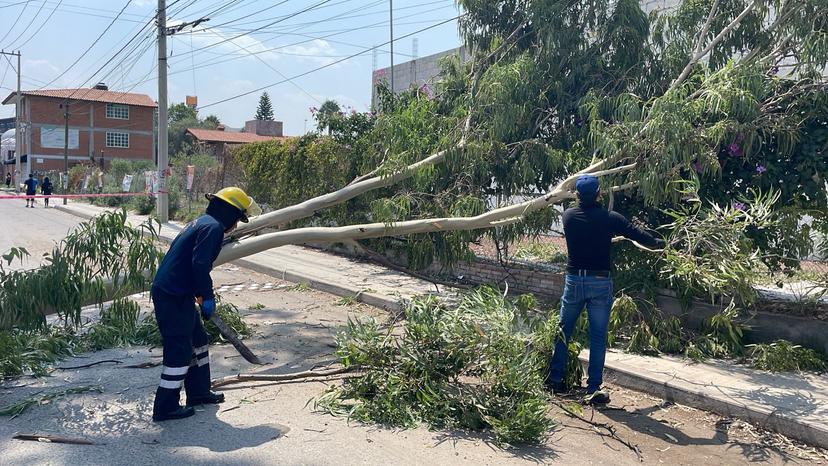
(103, 125)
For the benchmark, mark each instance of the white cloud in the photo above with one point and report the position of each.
(318, 51)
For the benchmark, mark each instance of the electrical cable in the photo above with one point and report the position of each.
(251, 14)
(9, 30)
(91, 46)
(326, 37)
(243, 94)
(384, 22)
(25, 29)
(86, 11)
(41, 25)
(304, 10)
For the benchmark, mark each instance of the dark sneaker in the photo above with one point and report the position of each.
(598, 397)
(208, 399)
(556, 388)
(180, 413)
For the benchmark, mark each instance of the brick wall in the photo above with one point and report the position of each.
(522, 277)
(90, 121)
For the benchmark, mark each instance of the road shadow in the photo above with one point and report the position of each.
(206, 430)
(641, 421)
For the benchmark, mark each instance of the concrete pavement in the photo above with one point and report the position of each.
(795, 405)
(33, 229)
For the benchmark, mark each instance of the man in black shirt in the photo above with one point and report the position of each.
(589, 230)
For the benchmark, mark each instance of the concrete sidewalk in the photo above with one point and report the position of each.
(795, 405)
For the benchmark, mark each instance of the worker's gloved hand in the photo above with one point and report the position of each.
(208, 307)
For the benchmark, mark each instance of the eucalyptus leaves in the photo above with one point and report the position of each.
(93, 262)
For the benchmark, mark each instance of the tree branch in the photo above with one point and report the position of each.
(716, 40)
(240, 378)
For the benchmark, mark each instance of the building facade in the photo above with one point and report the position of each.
(103, 125)
(419, 72)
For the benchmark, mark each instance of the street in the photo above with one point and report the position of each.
(36, 229)
(294, 331)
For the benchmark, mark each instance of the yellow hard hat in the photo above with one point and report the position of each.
(239, 199)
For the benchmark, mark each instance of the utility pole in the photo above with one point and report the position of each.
(391, 15)
(18, 136)
(162, 198)
(65, 149)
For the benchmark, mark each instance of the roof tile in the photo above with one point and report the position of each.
(213, 135)
(91, 95)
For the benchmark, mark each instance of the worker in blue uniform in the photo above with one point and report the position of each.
(183, 279)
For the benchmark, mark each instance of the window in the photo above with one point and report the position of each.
(117, 111)
(117, 139)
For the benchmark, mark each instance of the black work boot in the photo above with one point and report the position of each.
(209, 398)
(557, 388)
(180, 413)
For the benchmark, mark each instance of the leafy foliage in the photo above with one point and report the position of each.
(100, 248)
(477, 365)
(783, 355)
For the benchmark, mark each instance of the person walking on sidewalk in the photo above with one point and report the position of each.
(183, 278)
(8, 180)
(31, 190)
(589, 229)
(46, 189)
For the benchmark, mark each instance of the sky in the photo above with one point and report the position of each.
(245, 45)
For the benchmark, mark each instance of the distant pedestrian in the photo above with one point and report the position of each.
(8, 180)
(46, 189)
(31, 190)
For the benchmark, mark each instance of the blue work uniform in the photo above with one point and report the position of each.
(183, 275)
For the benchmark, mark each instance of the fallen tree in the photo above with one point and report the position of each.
(506, 112)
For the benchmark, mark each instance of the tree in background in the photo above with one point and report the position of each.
(265, 109)
(325, 114)
(180, 118)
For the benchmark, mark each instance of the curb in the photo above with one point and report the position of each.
(776, 421)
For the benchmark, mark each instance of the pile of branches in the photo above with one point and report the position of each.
(480, 364)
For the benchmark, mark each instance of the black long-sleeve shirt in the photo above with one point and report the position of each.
(589, 230)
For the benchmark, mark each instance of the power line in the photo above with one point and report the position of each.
(251, 14)
(19, 36)
(86, 11)
(304, 10)
(335, 32)
(312, 38)
(41, 25)
(9, 30)
(360, 15)
(333, 63)
(91, 46)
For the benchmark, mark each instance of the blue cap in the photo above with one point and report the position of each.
(587, 186)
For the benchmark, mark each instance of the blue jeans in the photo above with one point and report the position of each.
(596, 294)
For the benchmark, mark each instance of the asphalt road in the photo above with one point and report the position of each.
(36, 229)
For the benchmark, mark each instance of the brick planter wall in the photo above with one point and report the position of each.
(521, 277)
